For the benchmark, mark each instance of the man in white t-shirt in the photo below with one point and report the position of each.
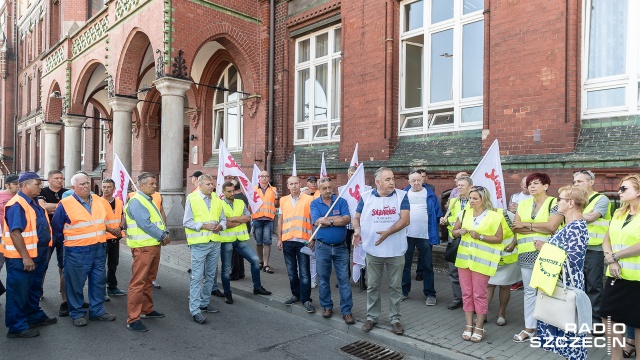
(522, 195)
(379, 225)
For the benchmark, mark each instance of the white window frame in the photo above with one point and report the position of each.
(224, 107)
(630, 80)
(102, 144)
(311, 66)
(428, 109)
(83, 145)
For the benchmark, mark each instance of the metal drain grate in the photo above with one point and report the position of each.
(367, 350)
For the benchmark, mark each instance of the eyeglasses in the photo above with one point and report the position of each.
(263, 176)
(588, 173)
(622, 189)
(561, 199)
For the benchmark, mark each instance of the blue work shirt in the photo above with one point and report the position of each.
(17, 219)
(138, 213)
(404, 205)
(60, 218)
(330, 234)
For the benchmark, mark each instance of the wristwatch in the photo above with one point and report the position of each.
(331, 222)
(481, 237)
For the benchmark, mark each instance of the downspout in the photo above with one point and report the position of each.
(16, 110)
(272, 31)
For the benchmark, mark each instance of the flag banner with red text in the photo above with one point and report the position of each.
(227, 166)
(254, 176)
(489, 175)
(121, 177)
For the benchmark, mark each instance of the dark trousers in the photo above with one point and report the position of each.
(113, 259)
(594, 280)
(237, 265)
(348, 240)
(425, 259)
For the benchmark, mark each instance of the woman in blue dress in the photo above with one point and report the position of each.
(573, 238)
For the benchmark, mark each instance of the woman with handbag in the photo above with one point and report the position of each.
(480, 229)
(536, 219)
(573, 239)
(621, 247)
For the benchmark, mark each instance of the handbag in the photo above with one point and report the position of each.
(558, 309)
(451, 252)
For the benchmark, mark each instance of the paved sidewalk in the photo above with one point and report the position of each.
(431, 332)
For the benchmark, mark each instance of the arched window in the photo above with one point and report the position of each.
(227, 110)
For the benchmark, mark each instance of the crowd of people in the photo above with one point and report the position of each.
(316, 233)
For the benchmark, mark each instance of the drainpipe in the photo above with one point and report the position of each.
(272, 41)
(16, 110)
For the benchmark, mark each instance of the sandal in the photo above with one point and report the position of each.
(476, 338)
(267, 269)
(501, 321)
(261, 265)
(630, 353)
(466, 335)
(519, 338)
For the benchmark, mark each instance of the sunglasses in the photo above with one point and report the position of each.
(478, 188)
(622, 189)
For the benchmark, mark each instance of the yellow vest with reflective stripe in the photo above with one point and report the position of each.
(136, 237)
(622, 238)
(475, 254)
(205, 215)
(598, 228)
(454, 211)
(268, 208)
(525, 208)
(507, 237)
(239, 232)
(296, 221)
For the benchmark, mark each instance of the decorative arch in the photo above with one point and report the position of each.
(80, 90)
(126, 82)
(54, 105)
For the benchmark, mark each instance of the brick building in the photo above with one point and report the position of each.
(416, 83)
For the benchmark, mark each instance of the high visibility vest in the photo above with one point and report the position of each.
(296, 221)
(268, 208)
(85, 229)
(598, 228)
(29, 233)
(117, 216)
(136, 237)
(622, 238)
(475, 254)
(507, 237)
(315, 195)
(239, 232)
(454, 210)
(155, 197)
(525, 207)
(205, 215)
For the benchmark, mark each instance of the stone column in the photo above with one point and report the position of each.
(72, 144)
(122, 114)
(171, 161)
(51, 147)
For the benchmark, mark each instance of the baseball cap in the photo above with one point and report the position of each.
(312, 178)
(11, 179)
(29, 175)
(196, 174)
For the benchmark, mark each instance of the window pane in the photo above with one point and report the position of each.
(413, 14)
(335, 88)
(472, 114)
(472, 6)
(302, 134)
(233, 84)
(320, 131)
(232, 139)
(413, 122)
(441, 119)
(304, 50)
(441, 10)
(472, 59)
(441, 66)
(322, 45)
(413, 76)
(335, 130)
(218, 127)
(605, 98)
(337, 40)
(303, 95)
(607, 38)
(219, 99)
(320, 92)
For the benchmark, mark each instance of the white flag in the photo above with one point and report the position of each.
(121, 177)
(254, 176)
(354, 158)
(294, 172)
(323, 168)
(227, 166)
(489, 175)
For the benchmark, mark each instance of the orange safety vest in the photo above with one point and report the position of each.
(296, 220)
(316, 194)
(86, 229)
(268, 208)
(117, 216)
(29, 233)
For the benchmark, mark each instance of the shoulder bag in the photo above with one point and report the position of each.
(558, 309)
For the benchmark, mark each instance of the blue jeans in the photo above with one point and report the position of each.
(339, 255)
(24, 289)
(262, 231)
(246, 252)
(424, 258)
(82, 263)
(204, 264)
(298, 269)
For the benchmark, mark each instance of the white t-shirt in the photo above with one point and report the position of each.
(419, 226)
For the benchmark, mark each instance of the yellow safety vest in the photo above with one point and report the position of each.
(622, 238)
(454, 210)
(475, 254)
(547, 267)
(203, 214)
(525, 208)
(239, 232)
(507, 237)
(136, 237)
(598, 228)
